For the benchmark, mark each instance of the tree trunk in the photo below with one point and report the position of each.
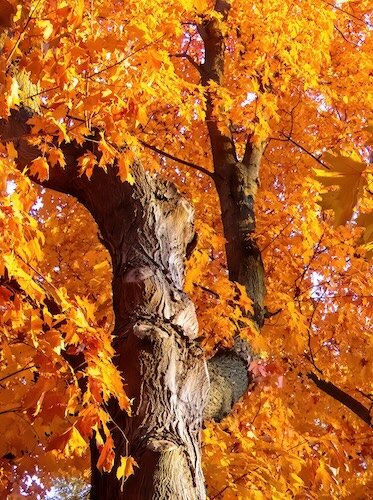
(236, 184)
(146, 233)
(146, 229)
(236, 181)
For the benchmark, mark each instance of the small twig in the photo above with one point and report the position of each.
(190, 59)
(344, 38)
(208, 290)
(10, 411)
(17, 371)
(349, 14)
(257, 412)
(302, 148)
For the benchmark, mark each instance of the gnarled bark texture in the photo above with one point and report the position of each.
(146, 233)
(146, 228)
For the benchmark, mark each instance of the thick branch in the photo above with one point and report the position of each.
(348, 401)
(189, 58)
(222, 145)
(16, 129)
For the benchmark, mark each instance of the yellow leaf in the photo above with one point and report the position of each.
(323, 476)
(88, 307)
(13, 96)
(126, 469)
(46, 27)
(200, 5)
(76, 445)
(70, 443)
(78, 12)
(245, 302)
(102, 265)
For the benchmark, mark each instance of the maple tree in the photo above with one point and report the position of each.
(259, 113)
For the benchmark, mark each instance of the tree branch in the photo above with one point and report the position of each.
(190, 59)
(348, 14)
(302, 148)
(344, 38)
(339, 395)
(16, 372)
(178, 160)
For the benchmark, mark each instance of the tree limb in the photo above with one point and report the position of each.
(339, 395)
(302, 148)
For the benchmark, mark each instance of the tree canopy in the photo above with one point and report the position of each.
(247, 107)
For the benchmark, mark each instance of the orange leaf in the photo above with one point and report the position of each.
(86, 163)
(5, 295)
(40, 168)
(105, 461)
(55, 156)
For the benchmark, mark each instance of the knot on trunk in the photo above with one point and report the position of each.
(229, 379)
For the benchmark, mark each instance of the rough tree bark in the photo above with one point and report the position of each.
(236, 181)
(146, 232)
(146, 228)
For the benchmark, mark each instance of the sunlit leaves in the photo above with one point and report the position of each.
(39, 322)
(106, 458)
(69, 443)
(40, 168)
(118, 73)
(86, 163)
(56, 157)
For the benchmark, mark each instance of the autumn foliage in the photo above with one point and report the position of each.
(126, 75)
